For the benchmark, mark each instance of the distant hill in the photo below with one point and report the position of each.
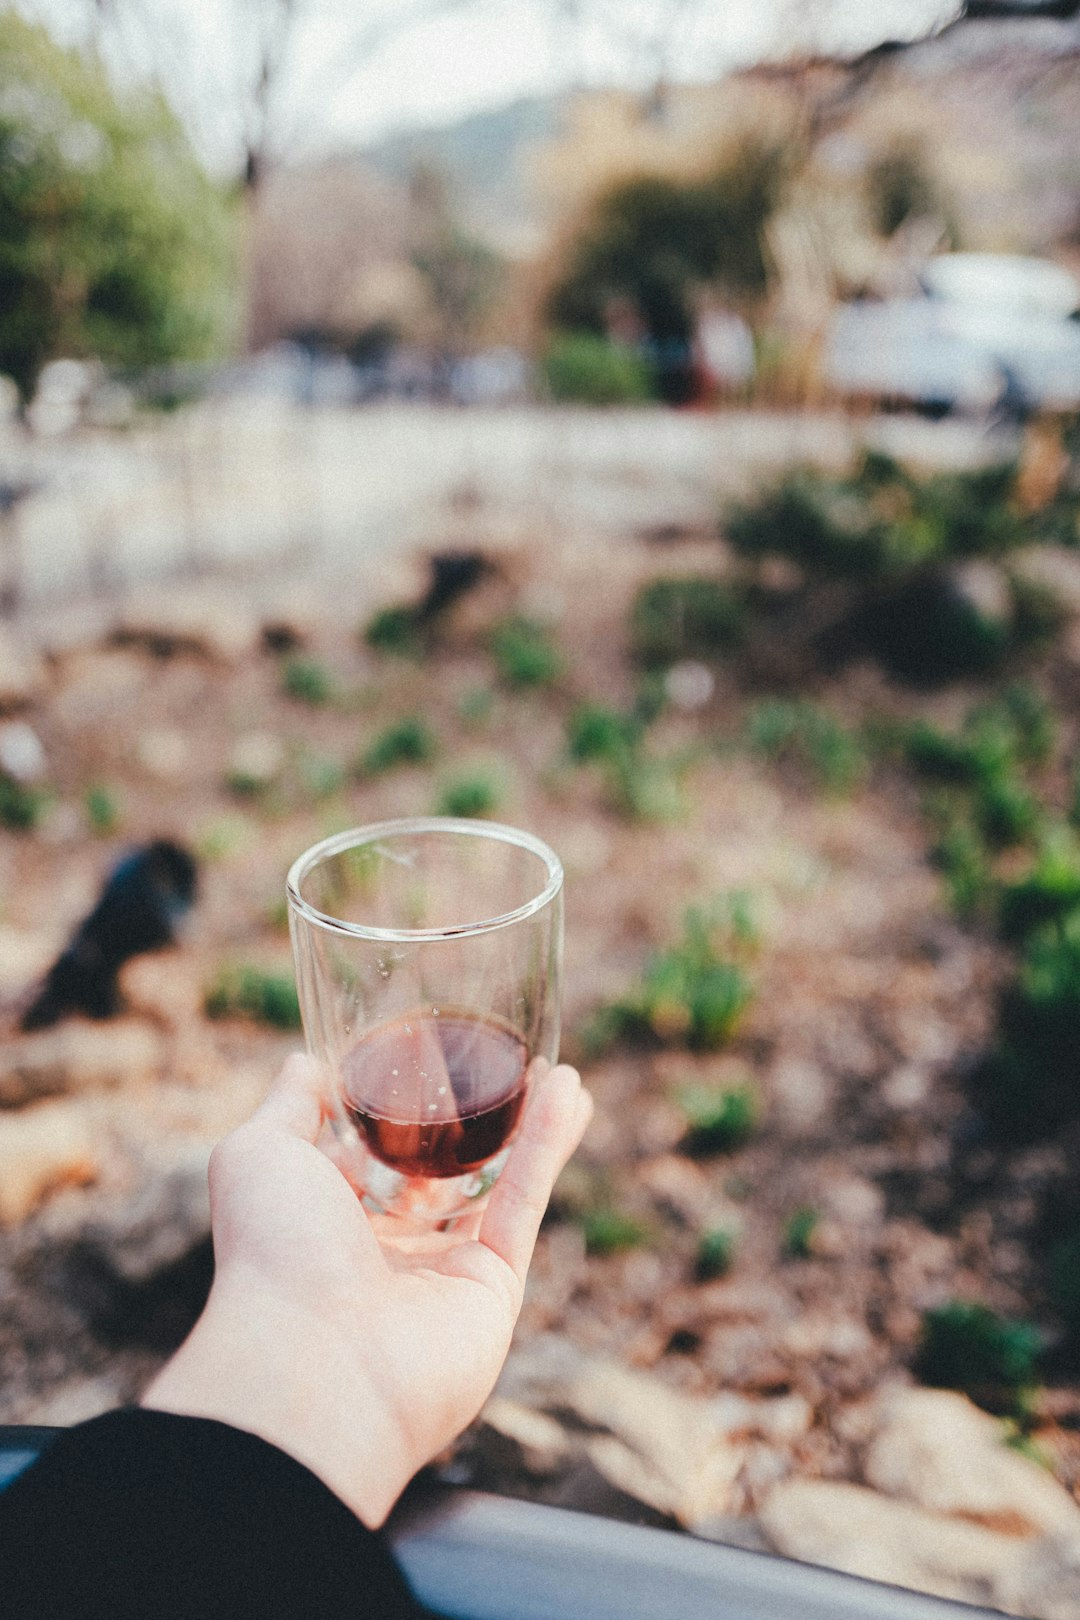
(484, 159)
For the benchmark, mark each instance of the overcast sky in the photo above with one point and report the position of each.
(482, 54)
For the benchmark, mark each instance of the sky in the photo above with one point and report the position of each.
(480, 54)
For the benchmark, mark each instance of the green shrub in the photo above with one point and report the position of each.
(780, 729)
(102, 809)
(320, 777)
(694, 992)
(267, 998)
(961, 856)
(799, 1230)
(306, 680)
(1047, 894)
(718, 1120)
(21, 807)
(395, 630)
(686, 617)
(1026, 1087)
(715, 1253)
(969, 1347)
(524, 653)
(608, 1231)
(595, 732)
(583, 369)
(406, 742)
(476, 794)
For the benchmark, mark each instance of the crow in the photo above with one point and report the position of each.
(145, 896)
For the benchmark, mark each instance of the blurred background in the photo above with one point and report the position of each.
(654, 424)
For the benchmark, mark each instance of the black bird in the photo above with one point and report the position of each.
(144, 899)
(453, 574)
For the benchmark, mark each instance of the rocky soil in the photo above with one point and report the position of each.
(774, 1405)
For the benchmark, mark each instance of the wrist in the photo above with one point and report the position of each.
(299, 1388)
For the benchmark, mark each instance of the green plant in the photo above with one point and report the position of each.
(780, 729)
(475, 705)
(799, 1230)
(686, 617)
(475, 794)
(320, 777)
(21, 807)
(697, 990)
(406, 742)
(1026, 1087)
(1047, 893)
(609, 1231)
(306, 680)
(267, 998)
(524, 653)
(967, 1346)
(961, 856)
(102, 809)
(718, 1119)
(715, 1253)
(595, 732)
(395, 630)
(584, 369)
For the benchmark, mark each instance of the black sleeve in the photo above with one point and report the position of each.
(143, 1515)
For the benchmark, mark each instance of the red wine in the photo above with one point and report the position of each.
(436, 1095)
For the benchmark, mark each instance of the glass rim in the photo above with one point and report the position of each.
(355, 837)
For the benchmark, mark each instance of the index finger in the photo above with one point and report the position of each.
(554, 1124)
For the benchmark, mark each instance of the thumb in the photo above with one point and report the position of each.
(296, 1102)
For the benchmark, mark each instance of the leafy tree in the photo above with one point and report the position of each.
(112, 240)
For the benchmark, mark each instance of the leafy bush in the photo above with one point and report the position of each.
(719, 1120)
(477, 794)
(691, 617)
(584, 369)
(524, 653)
(969, 1347)
(1027, 1086)
(798, 1239)
(267, 998)
(406, 742)
(307, 680)
(595, 732)
(609, 1231)
(1048, 893)
(715, 1253)
(697, 990)
(395, 630)
(21, 807)
(639, 787)
(784, 730)
(102, 809)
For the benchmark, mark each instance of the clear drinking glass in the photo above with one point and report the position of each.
(428, 961)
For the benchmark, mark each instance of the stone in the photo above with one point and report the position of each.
(78, 1055)
(209, 622)
(41, 1150)
(937, 1449)
(799, 1094)
(163, 753)
(536, 1443)
(24, 958)
(983, 587)
(853, 1528)
(1053, 569)
(21, 754)
(1046, 1582)
(22, 673)
(689, 685)
(256, 759)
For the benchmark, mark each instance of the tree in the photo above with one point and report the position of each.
(112, 240)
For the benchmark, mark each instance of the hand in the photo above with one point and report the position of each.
(359, 1358)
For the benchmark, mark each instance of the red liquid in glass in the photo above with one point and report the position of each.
(436, 1096)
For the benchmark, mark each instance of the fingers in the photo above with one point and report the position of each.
(558, 1113)
(296, 1102)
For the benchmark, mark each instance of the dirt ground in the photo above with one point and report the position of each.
(871, 1000)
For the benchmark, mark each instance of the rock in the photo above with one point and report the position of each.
(257, 757)
(78, 1056)
(1046, 1582)
(852, 1528)
(984, 588)
(689, 686)
(782, 1419)
(936, 1448)
(42, 1149)
(21, 754)
(1053, 569)
(164, 754)
(167, 988)
(536, 1443)
(852, 1200)
(666, 1449)
(217, 625)
(22, 673)
(799, 1094)
(24, 958)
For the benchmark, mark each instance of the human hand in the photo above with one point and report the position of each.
(357, 1356)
